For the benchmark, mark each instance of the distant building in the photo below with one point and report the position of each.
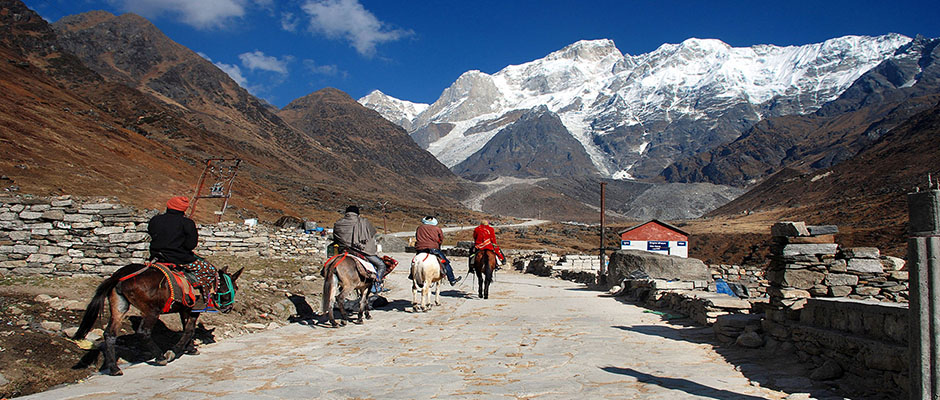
(656, 237)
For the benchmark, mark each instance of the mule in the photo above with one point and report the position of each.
(342, 276)
(148, 290)
(484, 264)
(425, 274)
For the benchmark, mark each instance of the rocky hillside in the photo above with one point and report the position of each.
(866, 192)
(331, 117)
(883, 98)
(535, 145)
(139, 122)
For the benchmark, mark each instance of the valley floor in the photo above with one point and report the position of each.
(534, 338)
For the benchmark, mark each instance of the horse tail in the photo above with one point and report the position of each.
(330, 283)
(97, 301)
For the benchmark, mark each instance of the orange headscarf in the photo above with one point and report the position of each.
(178, 203)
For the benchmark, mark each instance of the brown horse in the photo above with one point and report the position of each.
(147, 291)
(484, 263)
(342, 276)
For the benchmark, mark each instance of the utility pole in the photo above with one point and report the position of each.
(923, 255)
(603, 270)
(384, 216)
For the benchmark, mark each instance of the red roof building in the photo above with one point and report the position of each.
(657, 237)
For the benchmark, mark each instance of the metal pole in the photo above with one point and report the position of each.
(603, 269)
(923, 256)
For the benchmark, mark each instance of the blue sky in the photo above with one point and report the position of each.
(282, 50)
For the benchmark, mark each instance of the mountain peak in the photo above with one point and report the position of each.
(587, 50)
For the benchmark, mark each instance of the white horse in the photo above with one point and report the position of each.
(425, 272)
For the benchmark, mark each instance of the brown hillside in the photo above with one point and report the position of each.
(865, 195)
(140, 146)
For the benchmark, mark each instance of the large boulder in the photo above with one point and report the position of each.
(391, 244)
(656, 266)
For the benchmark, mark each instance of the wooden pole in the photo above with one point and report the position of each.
(603, 269)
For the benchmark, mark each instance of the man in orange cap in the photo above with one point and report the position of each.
(173, 237)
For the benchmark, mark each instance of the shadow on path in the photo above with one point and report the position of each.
(684, 385)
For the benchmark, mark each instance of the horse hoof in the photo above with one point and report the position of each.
(358, 322)
(167, 357)
(368, 316)
(192, 351)
(115, 371)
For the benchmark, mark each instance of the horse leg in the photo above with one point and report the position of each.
(188, 320)
(426, 295)
(341, 298)
(119, 308)
(414, 296)
(489, 280)
(437, 293)
(480, 283)
(145, 332)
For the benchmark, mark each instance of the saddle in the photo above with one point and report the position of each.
(363, 267)
(439, 260)
(181, 289)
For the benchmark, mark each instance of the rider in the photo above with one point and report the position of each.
(484, 237)
(356, 234)
(428, 238)
(173, 237)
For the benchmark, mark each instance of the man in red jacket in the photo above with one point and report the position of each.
(484, 237)
(428, 238)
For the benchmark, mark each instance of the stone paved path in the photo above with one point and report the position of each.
(534, 338)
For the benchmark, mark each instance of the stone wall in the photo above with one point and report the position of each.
(69, 236)
(842, 310)
(750, 276)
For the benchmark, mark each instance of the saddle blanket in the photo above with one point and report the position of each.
(181, 289)
(365, 264)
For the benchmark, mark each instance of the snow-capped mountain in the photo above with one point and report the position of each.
(634, 115)
(398, 111)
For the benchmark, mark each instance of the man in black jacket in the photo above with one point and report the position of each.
(173, 237)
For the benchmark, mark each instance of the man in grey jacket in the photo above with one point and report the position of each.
(357, 234)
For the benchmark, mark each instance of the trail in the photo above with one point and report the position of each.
(476, 203)
(534, 338)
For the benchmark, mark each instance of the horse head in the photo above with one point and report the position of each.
(225, 297)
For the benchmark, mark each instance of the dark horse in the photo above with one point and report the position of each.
(342, 276)
(147, 291)
(484, 263)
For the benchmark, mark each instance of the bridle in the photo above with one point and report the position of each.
(231, 291)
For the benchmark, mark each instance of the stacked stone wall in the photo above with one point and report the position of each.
(69, 236)
(750, 276)
(842, 310)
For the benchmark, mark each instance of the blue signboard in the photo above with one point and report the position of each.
(624, 242)
(680, 243)
(656, 245)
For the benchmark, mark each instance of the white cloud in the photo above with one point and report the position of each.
(347, 19)
(289, 22)
(201, 14)
(233, 72)
(331, 70)
(258, 60)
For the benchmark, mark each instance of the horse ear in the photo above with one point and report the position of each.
(224, 269)
(237, 273)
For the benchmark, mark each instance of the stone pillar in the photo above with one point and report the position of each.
(923, 254)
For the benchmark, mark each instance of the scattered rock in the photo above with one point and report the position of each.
(14, 310)
(3, 380)
(750, 340)
(272, 325)
(829, 370)
(69, 332)
(254, 325)
(43, 298)
(51, 325)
